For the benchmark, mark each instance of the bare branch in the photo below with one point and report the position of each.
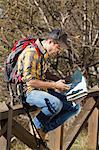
(64, 19)
(4, 39)
(90, 32)
(43, 15)
(96, 39)
(22, 34)
(85, 23)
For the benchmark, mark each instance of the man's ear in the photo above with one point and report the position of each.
(49, 41)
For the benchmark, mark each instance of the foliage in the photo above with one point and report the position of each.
(78, 18)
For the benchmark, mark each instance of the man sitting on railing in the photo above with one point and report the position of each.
(55, 109)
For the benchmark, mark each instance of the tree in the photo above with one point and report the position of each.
(78, 18)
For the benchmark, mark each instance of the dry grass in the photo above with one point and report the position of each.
(80, 143)
(18, 145)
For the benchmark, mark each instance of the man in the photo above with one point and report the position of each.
(54, 107)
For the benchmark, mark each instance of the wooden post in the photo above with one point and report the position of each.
(92, 130)
(9, 128)
(3, 141)
(55, 139)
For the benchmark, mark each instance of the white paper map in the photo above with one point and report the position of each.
(78, 87)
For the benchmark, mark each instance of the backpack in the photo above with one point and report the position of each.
(11, 77)
(11, 61)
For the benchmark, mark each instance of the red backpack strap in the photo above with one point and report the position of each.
(18, 43)
(38, 51)
(26, 42)
(15, 45)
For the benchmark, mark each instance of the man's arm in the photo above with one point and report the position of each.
(60, 85)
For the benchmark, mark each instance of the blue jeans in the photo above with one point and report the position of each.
(55, 109)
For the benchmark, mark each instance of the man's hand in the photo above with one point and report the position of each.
(61, 85)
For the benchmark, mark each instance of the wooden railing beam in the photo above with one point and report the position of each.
(22, 134)
(73, 132)
(17, 110)
(93, 130)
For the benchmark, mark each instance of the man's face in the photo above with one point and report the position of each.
(52, 47)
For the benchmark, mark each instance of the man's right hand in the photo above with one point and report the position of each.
(61, 86)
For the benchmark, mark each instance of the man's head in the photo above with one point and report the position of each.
(55, 41)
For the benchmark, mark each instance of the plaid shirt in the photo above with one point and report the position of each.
(29, 64)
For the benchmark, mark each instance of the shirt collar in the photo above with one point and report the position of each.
(40, 46)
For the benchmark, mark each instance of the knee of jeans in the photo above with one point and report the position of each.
(59, 106)
(78, 108)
